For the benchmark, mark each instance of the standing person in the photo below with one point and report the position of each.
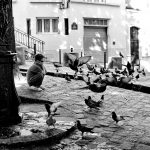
(36, 73)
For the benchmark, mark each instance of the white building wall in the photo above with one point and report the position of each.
(117, 29)
(140, 19)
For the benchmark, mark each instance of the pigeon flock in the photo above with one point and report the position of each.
(96, 79)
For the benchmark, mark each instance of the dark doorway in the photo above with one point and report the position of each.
(66, 20)
(134, 45)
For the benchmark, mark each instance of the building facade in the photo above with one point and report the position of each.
(90, 27)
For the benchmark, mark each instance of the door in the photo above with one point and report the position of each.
(29, 26)
(134, 45)
(95, 43)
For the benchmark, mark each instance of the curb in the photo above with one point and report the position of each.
(33, 100)
(37, 139)
(54, 135)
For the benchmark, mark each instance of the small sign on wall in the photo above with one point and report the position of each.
(74, 26)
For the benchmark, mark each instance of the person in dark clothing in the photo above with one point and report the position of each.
(36, 73)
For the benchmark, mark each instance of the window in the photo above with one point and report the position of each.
(39, 25)
(95, 22)
(55, 25)
(47, 25)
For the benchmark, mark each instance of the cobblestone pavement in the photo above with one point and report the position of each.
(131, 134)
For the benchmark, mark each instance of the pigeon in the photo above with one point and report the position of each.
(116, 117)
(83, 128)
(102, 70)
(112, 79)
(139, 71)
(51, 121)
(120, 54)
(57, 65)
(129, 68)
(128, 65)
(67, 77)
(90, 103)
(117, 71)
(93, 104)
(143, 72)
(74, 62)
(98, 87)
(53, 108)
(80, 70)
(96, 72)
(102, 98)
(125, 79)
(98, 79)
(100, 102)
(124, 72)
(87, 79)
(137, 76)
(90, 67)
(47, 106)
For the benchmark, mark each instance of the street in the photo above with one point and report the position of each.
(131, 133)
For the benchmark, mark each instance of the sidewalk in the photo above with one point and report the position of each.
(143, 80)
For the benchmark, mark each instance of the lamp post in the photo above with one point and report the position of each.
(9, 100)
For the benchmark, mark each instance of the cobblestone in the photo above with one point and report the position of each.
(131, 134)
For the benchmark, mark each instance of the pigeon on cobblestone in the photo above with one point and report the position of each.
(57, 65)
(143, 72)
(67, 77)
(51, 121)
(75, 62)
(86, 79)
(137, 76)
(83, 128)
(117, 71)
(96, 72)
(54, 107)
(51, 109)
(116, 117)
(125, 79)
(97, 79)
(47, 106)
(98, 87)
(124, 72)
(121, 55)
(90, 67)
(93, 104)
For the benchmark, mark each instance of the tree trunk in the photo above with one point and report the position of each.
(9, 100)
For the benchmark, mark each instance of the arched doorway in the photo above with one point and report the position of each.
(134, 42)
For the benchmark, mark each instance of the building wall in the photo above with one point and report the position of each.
(78, 10)
(139, 19)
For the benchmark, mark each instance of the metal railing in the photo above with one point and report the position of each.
(29, 40)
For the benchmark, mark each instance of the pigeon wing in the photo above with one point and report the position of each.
(83, 60)
(54, 106)
(71, 57)
(57, 64)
